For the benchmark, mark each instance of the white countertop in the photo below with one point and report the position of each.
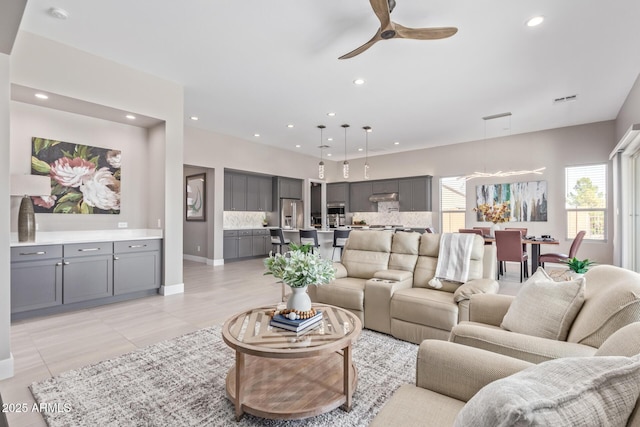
(61, 237)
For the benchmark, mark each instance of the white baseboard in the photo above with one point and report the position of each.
(6, 367)
(195, 258)
(215, 262)
(166, 290)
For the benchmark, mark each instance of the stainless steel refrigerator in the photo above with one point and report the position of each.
(291, 214)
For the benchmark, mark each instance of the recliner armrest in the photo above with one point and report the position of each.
(474, 287)
(459, 371)
(397, 275)
(489, 309)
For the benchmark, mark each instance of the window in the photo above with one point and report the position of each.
(453, 203)
(586, 201)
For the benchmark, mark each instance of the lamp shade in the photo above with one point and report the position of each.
(30, 185)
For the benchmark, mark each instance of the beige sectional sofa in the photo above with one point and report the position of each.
(383, 279)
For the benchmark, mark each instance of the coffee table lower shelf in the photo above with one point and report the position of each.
(289, 389)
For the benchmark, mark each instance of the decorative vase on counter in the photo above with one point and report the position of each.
(299, 299)
(494, 227)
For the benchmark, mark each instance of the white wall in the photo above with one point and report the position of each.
(629, 114)
(28, 121)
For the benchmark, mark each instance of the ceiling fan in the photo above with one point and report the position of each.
(391, 30)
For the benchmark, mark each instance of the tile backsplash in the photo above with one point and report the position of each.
(233, 219)
(389, 214)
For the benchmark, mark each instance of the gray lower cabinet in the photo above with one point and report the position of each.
(87, 271)
(246, 243)
(36, 277)
(136, 266)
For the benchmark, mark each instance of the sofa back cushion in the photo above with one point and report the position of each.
(612, 300)
(404, 251)
(428, 260)
(367, 252)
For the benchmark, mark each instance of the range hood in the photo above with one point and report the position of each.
(384, 197)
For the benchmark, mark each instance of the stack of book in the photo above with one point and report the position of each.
(299, 325)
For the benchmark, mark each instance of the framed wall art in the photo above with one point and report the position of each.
(196, 197)
(527, 200)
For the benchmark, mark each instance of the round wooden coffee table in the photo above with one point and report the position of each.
(280, 374)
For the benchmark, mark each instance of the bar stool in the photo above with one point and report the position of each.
(309, 237)
(277, 239)
(340, 238)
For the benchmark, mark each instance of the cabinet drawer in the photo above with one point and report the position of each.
(88, 249)
(129, 246)
(244, 232)
(35, 253)
(260, 232)
(230, 233)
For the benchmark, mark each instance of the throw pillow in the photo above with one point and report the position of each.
(544, 308)
(574, 391)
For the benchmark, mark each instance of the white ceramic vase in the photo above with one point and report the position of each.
(299, 299)
(494, 227)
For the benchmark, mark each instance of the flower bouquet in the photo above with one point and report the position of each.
(498, 213)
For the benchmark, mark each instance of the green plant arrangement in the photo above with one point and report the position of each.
(300, 267)
(579, 266)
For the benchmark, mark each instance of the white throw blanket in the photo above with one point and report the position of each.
(453, 259)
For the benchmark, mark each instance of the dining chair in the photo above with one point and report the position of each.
(509, 248)
(523, 232)
(470, 231)
(430, 230)
(310, 237)
(486, 231)
(561, 258)
(340, 238)
(277, 239)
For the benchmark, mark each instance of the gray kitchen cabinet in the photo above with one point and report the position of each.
(261, 242)
(36, 277)
(359, 193)
(259, 189)
(87, 271)
(230, 248)
(338, 192)
(414, 194)
(227, 191)
(289, 188)
(136, 266)
(245, 244)
(238, 192)
(384, 186)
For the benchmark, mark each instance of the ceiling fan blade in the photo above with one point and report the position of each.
(362, 48)
(424, 33)
(381, 9)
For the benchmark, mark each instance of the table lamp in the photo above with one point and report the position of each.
(25, 186)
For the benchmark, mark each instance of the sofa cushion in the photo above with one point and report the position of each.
(612, 300)
(428, 260)
(428, 307)
(366, 252)
(473, 287)
(571, 391)
(545, 308)
(404, 251)
(346, 293)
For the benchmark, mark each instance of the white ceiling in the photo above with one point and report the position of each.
(255, 66)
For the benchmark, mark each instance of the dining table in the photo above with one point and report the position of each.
(535, 243)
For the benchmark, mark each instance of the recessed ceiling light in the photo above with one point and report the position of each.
(130, 117)
(396, 143)
(360, 149)
(331, 114)
(329, 139)
(535, 21)
(41, 96)
(358, 82)
(289, 126)
(298, 145)
(257, 135)
(369, 130)
(329, 155)
(194, 118)
(58, 13)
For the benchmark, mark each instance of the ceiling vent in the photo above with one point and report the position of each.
(565, 99)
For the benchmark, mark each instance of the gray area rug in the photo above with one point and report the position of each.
(181, 382)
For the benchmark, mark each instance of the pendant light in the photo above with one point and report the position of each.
(345, 164)
(321, 164)
(367, 129)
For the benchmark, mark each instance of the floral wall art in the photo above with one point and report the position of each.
(84, 179)
(527, 201)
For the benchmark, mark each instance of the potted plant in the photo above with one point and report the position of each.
(265, 222)
(298, 268)
(578, 267)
